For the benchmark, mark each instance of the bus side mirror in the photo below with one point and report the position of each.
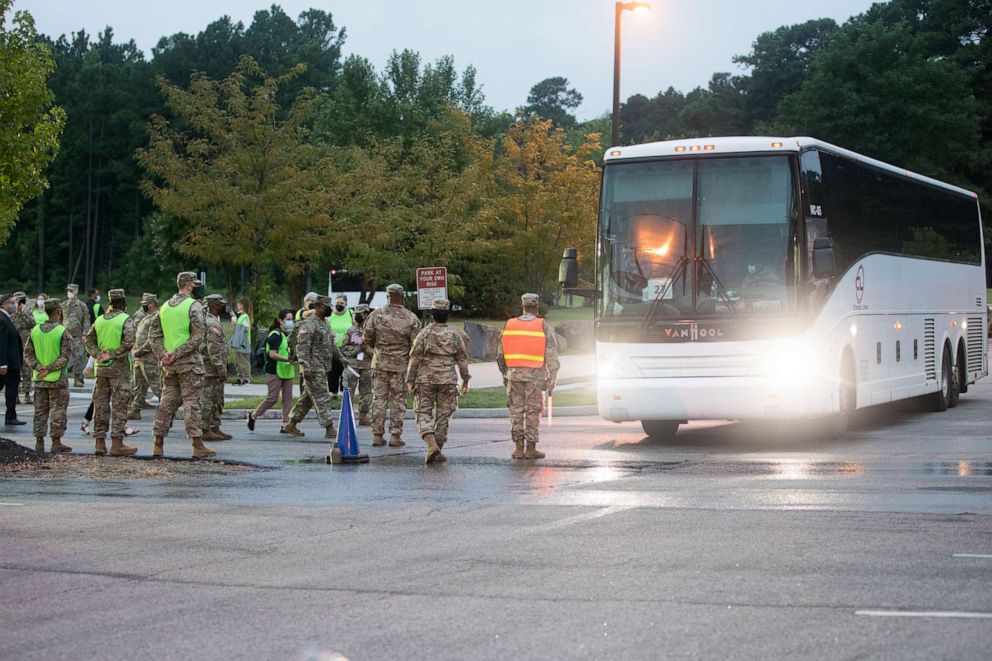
(568, 270)
(824, 265)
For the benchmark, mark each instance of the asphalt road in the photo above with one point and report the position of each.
(733, 542)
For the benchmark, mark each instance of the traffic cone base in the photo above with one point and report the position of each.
(346, 451)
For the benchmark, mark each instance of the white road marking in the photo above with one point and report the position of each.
(11, 504)
(945, 614)
(986, 556)
(588, 516)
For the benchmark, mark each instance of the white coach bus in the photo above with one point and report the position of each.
(763, 278)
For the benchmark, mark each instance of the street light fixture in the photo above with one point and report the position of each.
(637, 8)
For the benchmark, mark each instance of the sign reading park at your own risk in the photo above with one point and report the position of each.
(432, 284)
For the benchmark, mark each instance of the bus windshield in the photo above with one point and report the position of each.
(698, 238)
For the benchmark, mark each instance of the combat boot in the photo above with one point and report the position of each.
(39, 445)
(532, 452)
(158, 449)
(329, 431)
(363, 420)
(440, 446)
(378, 440)
(224, 436)
(78, 383)
(519, 452)
(201, 451)
(118, 449)
(100, 447)
(57, 446)
(212, 435)
(395, 441)
(27, 398)
(433, 451)
(291, 429)
(134, 415)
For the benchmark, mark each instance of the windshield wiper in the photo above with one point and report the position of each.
(721, 291)
(679, 266)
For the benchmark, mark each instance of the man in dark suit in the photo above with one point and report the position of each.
(11, 356)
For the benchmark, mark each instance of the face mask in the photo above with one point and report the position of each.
(288, 324)
(359, 319)
(41, 302)
(97, 299)
(69, 294)
(339, 307)
(752, 268)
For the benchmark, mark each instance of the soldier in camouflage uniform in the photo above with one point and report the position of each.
(47, 354)
(215, 365)
(76, 319)
(139, 384)
(145, 369)
(528, 359)
(354, 349)
(175, 335)
(23, 322)
(390, 332)
(109, 341)
(432, 381)
(315, 349)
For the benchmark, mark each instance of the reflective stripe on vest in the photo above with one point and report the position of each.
(524, 343)
(47, 349)
(175, 324)
(284, 370)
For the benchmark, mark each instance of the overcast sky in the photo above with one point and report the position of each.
(512, 43)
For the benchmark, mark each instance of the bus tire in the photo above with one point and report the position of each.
(661, 430)
(847, 400)
(962, 369)
(948, 391)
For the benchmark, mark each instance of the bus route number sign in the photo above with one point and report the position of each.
(432, 284)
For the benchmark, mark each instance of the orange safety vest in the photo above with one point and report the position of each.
(524, 343)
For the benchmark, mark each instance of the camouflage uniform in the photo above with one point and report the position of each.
(23, 322)
(215, 366)
(353, 348)
(112, 392)
(390, 332)
(525, 384)
(315, 349)
(51, 397)
(145, 362)
(182, 380)
(139, 384)
(436, 352)
(76, 319)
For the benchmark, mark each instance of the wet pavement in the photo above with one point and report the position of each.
(735, 540)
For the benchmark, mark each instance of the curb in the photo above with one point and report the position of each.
(560, 412)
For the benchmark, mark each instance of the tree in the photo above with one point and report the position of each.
(238, 171)
(551, 98)
(30, 124)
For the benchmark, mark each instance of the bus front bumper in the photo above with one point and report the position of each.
(725, 398)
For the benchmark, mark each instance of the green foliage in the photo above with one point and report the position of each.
(552, 99)
(30, 125)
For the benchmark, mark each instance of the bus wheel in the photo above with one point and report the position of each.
(847, 400)
(948, 392)
(661, 430)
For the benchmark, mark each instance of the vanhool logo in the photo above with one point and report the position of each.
(859, 284)
(692, 332)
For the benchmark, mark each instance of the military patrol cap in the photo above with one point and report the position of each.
(116, 293)
(19, 294)
(187, 277)
(216, 297)
(440, 304)
(362, 308)
(52, 304)
(149, 298)
(394, 289)
(325, 301)
(530, 299)
(73, 288)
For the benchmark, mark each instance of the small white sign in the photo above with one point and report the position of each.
(432, 284)
(654, 289)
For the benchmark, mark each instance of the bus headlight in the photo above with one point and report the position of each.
(791, 361)
(608, 368)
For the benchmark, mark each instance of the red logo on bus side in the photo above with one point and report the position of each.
(859, 284)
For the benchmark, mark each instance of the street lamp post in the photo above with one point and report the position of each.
(620, 7)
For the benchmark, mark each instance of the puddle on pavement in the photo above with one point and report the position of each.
(805, 470)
